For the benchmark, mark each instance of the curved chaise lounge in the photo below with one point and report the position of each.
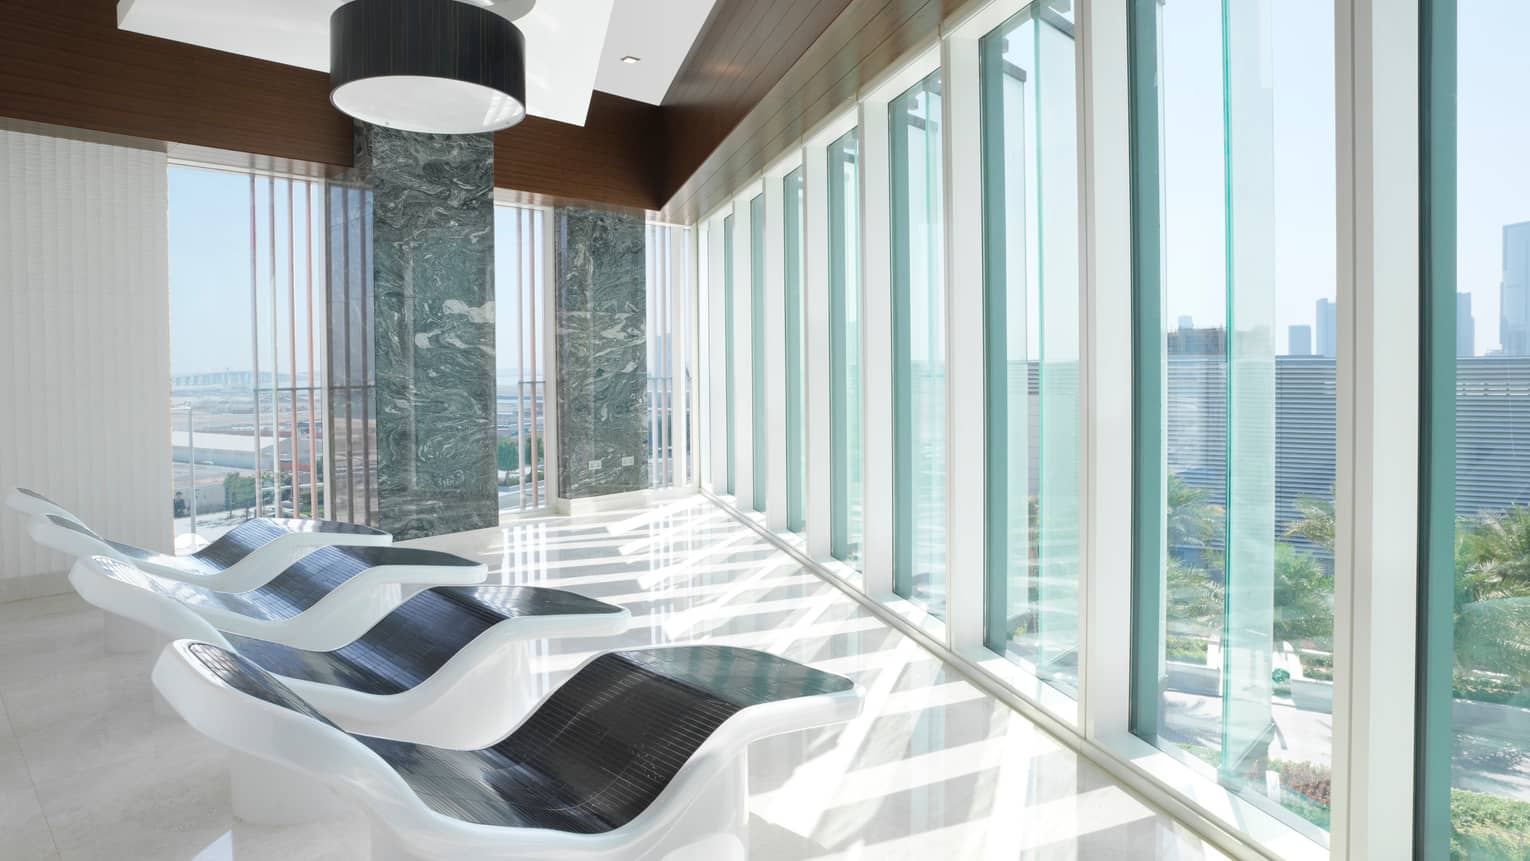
(324, 601)
(642, 754)
(448, 667)
(247, 556)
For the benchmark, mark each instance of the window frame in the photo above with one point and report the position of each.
(1376, 57)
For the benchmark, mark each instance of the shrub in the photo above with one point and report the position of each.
(1488, 828)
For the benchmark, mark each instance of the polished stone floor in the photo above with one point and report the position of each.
(933, 769)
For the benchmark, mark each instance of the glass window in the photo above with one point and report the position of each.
(728, 344)
(668, 296)
(844, 351)
(1030, 199)
(796, 398)
(1235, 196)
(247, 326)
(757, 346)
(1474, 764)
(919, 348)
(521, 352)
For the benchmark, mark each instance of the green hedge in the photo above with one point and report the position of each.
(1488, 828)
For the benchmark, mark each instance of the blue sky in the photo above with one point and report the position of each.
(210, 274)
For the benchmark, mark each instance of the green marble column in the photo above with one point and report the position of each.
(432, 260)
(602, 365)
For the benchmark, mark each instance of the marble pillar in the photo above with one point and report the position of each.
(432, 258)
(602, 364)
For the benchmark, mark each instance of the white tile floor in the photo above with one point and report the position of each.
(934, 768)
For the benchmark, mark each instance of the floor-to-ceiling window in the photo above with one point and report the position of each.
(670, 389)
(246, 349)
(729, 396)
(845, 509)
(919, 346)
(1031, 256)
(522, 350)
(757, 371)
(796, 388)
(1236, 335)
(1474, 764)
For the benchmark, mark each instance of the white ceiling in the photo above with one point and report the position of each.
(658, 31)
(572, 46)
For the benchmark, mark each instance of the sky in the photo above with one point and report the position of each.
(1493, 148)
(1493, 177)
(209, 221)
(1282, 127)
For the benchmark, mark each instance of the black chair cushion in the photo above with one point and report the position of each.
(413, 642)
(301, 585)
(603, 746)
(597, 752)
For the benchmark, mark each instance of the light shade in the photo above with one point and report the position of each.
(437, 66)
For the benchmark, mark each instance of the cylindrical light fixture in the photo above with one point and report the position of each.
(438, 66)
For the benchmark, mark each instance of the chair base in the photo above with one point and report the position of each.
(264, 793)
(715, 828)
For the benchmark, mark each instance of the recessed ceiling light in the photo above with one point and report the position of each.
(631, 59)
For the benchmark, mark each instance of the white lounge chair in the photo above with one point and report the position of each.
(642, 754)
(247, 556)
(324, 601)
(449, 667)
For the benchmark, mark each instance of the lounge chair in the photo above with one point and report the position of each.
(642, 754)
(325, 600)
(449, 667)
(247, 556)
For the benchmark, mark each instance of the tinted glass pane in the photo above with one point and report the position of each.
(845, 351)
(1235, 226)
(1475, 761)
(919, 347)
(728, 359)
(1030, 197)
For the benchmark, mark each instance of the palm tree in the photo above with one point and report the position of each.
(1315, 523)
(1193, 521)
(1492, 592)
(1303, 598)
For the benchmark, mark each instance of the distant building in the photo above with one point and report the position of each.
(1185, 321)
(1197, 342)
(1492, 419)
(1514, 291)
(1466, 326)
(1299, 341)
(1327, 328)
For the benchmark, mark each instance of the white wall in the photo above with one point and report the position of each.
(84, 344)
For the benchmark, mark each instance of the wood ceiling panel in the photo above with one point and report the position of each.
(65, 63)
(714, 148)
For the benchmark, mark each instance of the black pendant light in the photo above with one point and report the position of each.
(438, 66)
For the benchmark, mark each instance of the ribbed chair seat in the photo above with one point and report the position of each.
(449, 665)
(640, 753)
(325, 600)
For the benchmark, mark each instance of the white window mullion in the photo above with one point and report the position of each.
(1375, 607)
(817, 439)
(966, 457)
(877, 345)
(743, 353)
(1105, 600)
(774, 329)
